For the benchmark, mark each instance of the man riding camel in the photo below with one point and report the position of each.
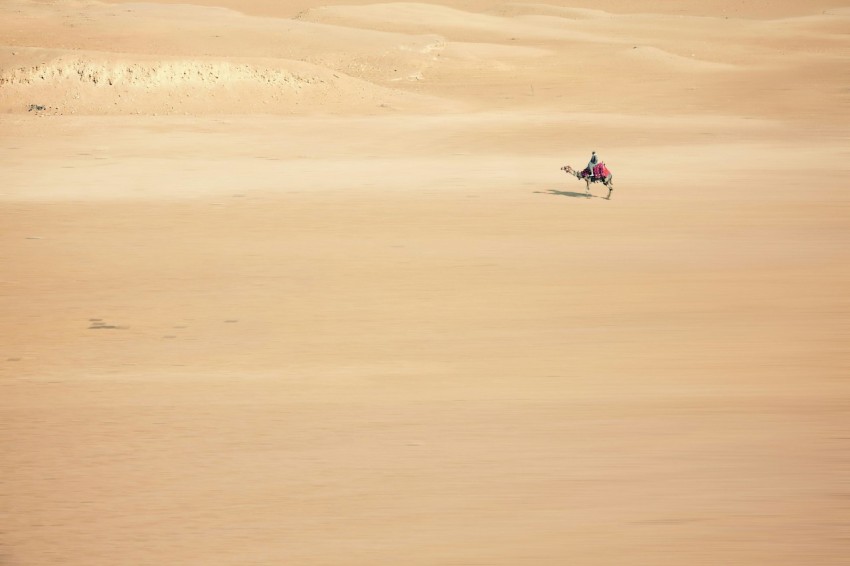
(590, 165)
(595, 172)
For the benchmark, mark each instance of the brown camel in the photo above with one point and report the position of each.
(607, 181)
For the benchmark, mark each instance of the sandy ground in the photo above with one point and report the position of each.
(295, 283)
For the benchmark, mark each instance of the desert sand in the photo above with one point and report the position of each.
(302, 283)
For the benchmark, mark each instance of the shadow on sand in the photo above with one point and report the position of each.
(567, 194)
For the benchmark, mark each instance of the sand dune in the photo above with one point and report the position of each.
(413, 49)
(680, 63)
(109, 83)
(292, 282)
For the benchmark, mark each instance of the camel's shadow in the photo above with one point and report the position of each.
(570, 194)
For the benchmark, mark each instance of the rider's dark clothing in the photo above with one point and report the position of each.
(591, 164)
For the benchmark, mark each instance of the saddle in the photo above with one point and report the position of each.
(600, 171)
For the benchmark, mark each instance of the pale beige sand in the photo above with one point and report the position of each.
(294, 283)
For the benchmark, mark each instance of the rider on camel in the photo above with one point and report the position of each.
(588, 171)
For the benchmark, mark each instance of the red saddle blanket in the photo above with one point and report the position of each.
(600, 170)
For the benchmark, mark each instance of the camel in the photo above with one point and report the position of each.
(608, 180)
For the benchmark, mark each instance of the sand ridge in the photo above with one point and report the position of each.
(394, 54)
